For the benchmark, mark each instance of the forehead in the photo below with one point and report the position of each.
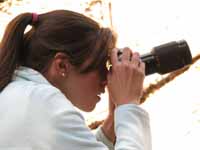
(94, 62)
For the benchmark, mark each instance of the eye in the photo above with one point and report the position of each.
(103, 73)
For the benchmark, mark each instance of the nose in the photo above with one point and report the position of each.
(103, 84)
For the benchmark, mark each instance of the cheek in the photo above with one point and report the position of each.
(87, 96)
(92, 80)
(90, 87)
(86, 86)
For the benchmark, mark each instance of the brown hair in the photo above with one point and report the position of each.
(57, 31)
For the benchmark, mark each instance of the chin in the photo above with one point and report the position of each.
(89, 109)
(90, 106)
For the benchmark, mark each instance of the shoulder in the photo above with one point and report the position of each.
(42, 97)
(51, 98)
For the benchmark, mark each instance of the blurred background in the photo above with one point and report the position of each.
(142, 24)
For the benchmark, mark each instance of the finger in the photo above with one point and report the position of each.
(136, 59)
(114, 57)
(111, 105)
(126, 55)
(142, 67)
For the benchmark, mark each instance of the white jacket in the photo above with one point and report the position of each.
(34, 115)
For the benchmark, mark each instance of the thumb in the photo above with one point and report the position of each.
(111, 104)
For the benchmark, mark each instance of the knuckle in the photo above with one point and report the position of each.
(141, 73)
(126, 65)
(116, 67)
(133, 67)
(126, 49)
(143, 65)
(136, 55)
(114, 49)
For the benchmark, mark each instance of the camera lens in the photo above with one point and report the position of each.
(166, 58)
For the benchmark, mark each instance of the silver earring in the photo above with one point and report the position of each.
(63, 74)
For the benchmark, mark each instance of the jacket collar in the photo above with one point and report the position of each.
(29, 74)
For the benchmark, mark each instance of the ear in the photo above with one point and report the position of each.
(61, 64)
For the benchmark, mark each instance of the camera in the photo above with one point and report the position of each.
(166, 58)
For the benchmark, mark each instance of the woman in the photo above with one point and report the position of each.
(60, 65)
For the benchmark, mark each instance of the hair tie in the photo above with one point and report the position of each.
(34, 18)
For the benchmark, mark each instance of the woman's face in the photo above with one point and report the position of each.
(84, 90)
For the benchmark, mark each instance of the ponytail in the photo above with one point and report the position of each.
(11, 46)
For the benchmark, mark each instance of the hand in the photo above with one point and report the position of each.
(125, 80)
(108, 125)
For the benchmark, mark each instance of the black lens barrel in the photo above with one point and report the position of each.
(167, 57)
